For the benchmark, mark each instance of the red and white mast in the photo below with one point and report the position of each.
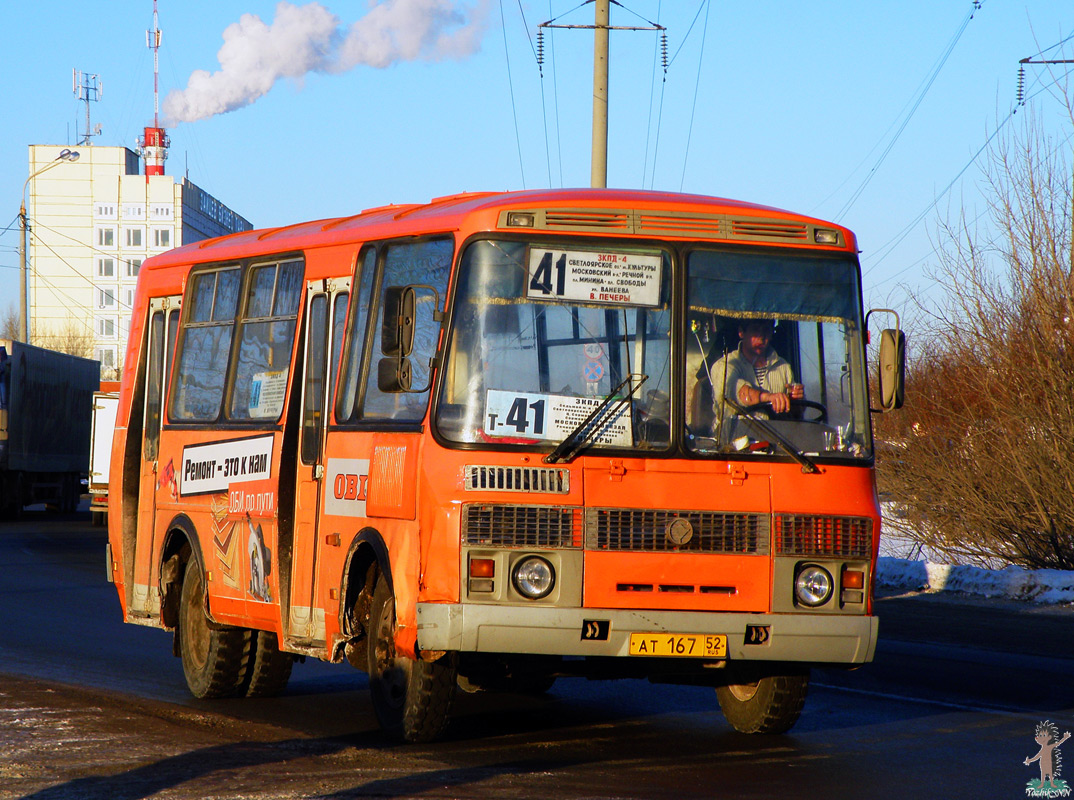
(155, 141)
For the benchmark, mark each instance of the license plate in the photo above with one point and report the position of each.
(686, 645)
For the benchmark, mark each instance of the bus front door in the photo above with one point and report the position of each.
(163, 325)
(326, 308)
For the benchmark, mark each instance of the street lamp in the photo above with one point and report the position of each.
(24, 225)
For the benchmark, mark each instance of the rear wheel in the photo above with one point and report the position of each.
(771, 704)
(270, 668)
(215, 659)
(411, 697)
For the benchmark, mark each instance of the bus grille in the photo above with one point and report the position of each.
(548, 480)
(521, 526)
(581, 219)
(766, 229)
(813, 535)
(667, 222)
(677, 531)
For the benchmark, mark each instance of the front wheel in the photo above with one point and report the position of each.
(215, 659)
(411, 697)
(771, 704)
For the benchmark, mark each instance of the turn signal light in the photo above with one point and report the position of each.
(482, 568)
(853, 579)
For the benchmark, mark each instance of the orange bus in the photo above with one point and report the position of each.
(492, 440)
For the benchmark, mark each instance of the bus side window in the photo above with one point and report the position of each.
(348, 399)
(266, 339)
(313, 394)
(205, 344)
(339, 324)
(426, 263)
(169, 348)
(153, 388)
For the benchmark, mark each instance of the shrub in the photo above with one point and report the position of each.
(980, 462)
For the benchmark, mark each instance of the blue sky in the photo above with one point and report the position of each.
(788, 104)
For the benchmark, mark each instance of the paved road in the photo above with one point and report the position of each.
(92, 708)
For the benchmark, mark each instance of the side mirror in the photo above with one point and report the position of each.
(892, 363)
(892, 369)
(397, 324)
(393, 375)
(397, 332)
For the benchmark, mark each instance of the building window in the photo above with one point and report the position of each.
(134, 212)
(162, 237)
(107, 357)
(133, 237)
(133, 265)
(161, 212)
(128, 299)
(106, 298)
(105, 210)
(106, 237)
(106, 327)
(106, 267)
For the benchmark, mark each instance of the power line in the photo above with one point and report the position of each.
(700, 6)
(889, 247)
(555, 98)
(697, 86)
(920, 96)
(511, 85)
(662, 44)
(899, 237)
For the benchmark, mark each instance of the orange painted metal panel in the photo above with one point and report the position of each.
(677, 581)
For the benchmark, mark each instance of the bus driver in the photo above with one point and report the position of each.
(753, 373)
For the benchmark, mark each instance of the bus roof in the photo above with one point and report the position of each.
(595, 211)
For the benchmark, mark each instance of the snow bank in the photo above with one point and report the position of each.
(1011, 583)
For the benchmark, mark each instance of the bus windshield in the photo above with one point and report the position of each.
(544, 332)
(807, 308)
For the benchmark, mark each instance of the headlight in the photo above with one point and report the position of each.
(533, 577)
(813, 586)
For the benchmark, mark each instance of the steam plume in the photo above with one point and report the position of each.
(309, 38)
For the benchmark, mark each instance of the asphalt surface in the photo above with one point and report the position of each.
(93, 708)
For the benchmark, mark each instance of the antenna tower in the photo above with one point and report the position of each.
(87, 88)
(154, 143)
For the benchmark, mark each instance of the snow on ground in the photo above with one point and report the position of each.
(1011, 583)
(904, 567)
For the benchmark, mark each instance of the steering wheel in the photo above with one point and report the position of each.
(795, 403)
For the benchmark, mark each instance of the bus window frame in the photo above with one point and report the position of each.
(246, 267)
(676, 288)
(243, 319)
(355, 420)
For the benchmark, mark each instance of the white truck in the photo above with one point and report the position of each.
(103, 426)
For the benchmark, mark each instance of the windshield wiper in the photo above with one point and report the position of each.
(575, 441)
(807, 464)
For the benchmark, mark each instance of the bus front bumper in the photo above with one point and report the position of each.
(808, 638)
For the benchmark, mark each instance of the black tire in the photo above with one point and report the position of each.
(215, 659)
(270, 668)
(412, 698)
(771, 704)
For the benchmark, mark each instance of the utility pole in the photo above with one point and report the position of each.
(599, 166)
(601, 27)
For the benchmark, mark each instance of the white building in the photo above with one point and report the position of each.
(92, 224)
